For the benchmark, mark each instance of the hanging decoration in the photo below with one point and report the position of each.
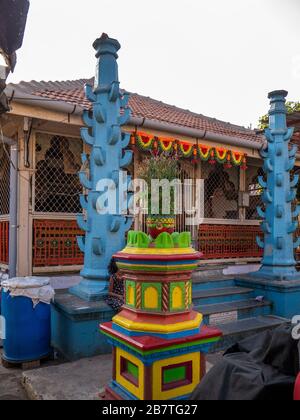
(204, 152)
(237, 158)
(144, 142)
(186, 149)
(228, 164)
(195, 155)
(221, 155)
(212, 160)
(166, 145)
(244, 164)
(150, 143)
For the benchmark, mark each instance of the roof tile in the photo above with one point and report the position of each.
(72, 92)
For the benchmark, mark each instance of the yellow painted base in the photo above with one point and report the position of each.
(158, 251)
(136, 390)
(159, 393)
(158, 328)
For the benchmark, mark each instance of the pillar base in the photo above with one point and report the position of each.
(90, 290)
(285, 295)
(277, 273)
(75, 326)
(154, 368)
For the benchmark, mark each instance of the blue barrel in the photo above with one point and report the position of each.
(28, 329)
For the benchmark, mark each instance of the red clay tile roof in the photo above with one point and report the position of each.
(72, 92)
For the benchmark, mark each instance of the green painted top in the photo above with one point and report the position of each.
(163, 241)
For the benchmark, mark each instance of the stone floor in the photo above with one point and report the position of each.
(11, 384)
(81, 380)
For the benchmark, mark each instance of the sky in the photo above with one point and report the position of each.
(214, 57)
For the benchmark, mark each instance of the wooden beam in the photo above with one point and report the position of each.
(53, 128)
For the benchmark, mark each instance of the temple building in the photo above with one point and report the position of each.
(45, 121)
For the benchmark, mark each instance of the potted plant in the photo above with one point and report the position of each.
(159, 167)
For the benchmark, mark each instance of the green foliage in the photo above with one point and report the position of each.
(291, 107)
(161, 167)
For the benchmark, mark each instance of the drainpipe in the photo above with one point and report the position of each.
(16, 95)
(192, 132)
(13, 210)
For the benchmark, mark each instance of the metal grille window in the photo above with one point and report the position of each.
(57, 185)
(4, 179)
(254, 191)
(221, 192)
(188, 197)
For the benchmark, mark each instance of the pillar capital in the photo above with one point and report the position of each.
(107, 65)
(278, 111)
(106, 45)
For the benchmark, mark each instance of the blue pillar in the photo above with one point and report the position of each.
(278, 280)
(104, 233)
(280, 222)
(76, 314)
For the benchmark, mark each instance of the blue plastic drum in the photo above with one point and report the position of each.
(28, 329)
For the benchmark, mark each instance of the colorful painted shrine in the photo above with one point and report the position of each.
(158, 340)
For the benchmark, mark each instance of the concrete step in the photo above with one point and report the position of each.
(239, 330)
(227, 294)
(219, 282)
(241, 309)
(207, 271)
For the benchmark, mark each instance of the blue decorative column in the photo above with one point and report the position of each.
(278, 280)
(104, 228)
(280, 222)
(76, 314)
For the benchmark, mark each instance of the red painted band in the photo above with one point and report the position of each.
(149, 343)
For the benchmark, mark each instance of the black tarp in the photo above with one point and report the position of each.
(262, 367)
(13, 16)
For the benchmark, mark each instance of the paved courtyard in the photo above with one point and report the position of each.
(81, 380)
(11, 384)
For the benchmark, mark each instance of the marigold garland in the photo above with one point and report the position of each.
(237, 158)
(221, 155)
(204, 152)
(144, 143)
(165, 145)
(213, 155)
(186, 149)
